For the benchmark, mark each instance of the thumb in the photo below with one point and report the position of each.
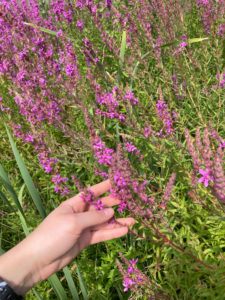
(93, 218)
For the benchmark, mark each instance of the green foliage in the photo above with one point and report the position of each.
(194, 219)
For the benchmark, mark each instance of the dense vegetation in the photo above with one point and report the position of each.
(132, 91)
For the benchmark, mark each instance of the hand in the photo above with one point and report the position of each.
(59, 238)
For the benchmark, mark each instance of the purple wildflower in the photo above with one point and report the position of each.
(102, 153)
(88, 196)
(108, 3)
(131, 148)
(221, 30)
(57, 179)
(128, 283)
(148, 131)
(206, 176)
(80, 25)
(164, 115)
(99, 205)
(131, 98)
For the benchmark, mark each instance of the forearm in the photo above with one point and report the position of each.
(18, 269)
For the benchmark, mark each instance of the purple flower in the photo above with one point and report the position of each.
(221, 79)
(221, 30)
(57, 179)
(130, 97)
(183, 44)
(88, 196)
(164, 115)
(59, 33)
(119, 179)
(99, 205)
(203, 2)
(131, 148)
(80, 25)
(108, 3)
(102, 153)
(147, 131)
(128, 283)
(70, 70)
(206, 176)
(29, 138)
(122, 206)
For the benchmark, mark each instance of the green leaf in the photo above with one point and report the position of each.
(57, 286)
(71, 283)
(197, 40)
(46, 30)
(22, 219)
(7, 184)
(82, 285)
(190, 41)
(123, 48)
(27, 178)
(38, 296)
(6, 201)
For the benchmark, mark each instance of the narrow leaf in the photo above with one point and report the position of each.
(71, 283)
(7, 184)
(46, 30)
(57, 286)
(6, 201)
(197, 40)
(82, 285)
(38, 296)
(123, 48)
(27, 178)
(22, 219)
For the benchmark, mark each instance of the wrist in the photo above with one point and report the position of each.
(17, 268)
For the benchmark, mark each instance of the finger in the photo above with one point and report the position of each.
(118, 223)
(77, 202)
(92, 218)
(107, 201)
(105, 235)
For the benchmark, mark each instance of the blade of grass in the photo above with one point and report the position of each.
(27, 178)
(82, 285)
(38, 296)
(71, 283)
(7, 184)
(22, 219)
(197, 40)
(57, 286)
(41, 28)
(123, 48)
(6, 201)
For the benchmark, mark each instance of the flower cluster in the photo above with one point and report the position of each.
(102, 153)
(221, 80)
(133, 278)
(120, 177)
(131, 148)
(207, 163)
(59, 184)
(111, 103)
(221, 30)
(89, 198)
(129, 96)
(165, 116)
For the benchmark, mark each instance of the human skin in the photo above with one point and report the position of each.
(68, 229)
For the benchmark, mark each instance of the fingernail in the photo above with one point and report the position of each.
(108, 212)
